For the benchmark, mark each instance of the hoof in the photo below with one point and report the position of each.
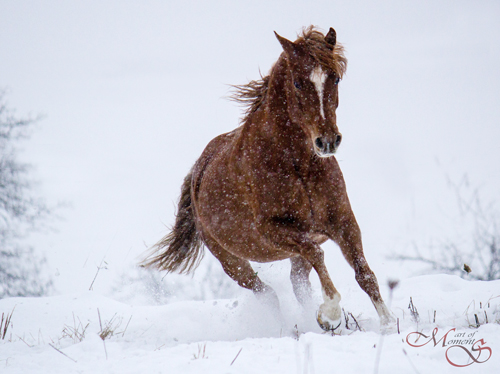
(388, 325)
(388, 329)
(268, 296)
(387, 320)
(327, 324)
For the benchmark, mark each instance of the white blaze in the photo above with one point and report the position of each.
(318, 77)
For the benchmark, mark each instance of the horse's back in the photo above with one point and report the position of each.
(214, 153)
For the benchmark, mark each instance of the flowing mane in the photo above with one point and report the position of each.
(253, 94)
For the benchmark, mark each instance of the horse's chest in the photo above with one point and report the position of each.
(318, 202)
(326, 193)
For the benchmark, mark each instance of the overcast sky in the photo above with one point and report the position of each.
(131, 92)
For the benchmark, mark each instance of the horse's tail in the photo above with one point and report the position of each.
(180, 250)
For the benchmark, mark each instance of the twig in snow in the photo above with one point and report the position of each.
(346, 317)
(237, 354)
(96, 274)
(24, 341)
(126, 327)
(61, 352)
(411, 363)
(356, 322)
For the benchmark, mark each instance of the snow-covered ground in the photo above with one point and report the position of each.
(61, 334)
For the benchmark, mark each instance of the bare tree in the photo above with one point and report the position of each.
(20, 212)
(474, 257)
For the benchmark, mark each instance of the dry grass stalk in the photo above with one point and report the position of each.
(109, 326)
(109, 329)
(414, 312)
(237, 354)
(75, 332)
(478, 320)
(296, 334)
(126, 327)
(99, 268)
(4, 323)
(201, 352)
(61, 352)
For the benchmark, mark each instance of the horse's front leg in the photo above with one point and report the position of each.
(311, 256)
(348, 236)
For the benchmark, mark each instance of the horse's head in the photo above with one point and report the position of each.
(314, 67)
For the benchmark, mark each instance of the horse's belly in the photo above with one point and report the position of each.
(234, 229)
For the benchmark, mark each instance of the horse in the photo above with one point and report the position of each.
(272, 188)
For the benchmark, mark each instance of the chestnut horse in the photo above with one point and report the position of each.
(272, 189)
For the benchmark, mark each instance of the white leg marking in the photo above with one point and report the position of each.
(383, 313)
(331, 308)
(318, 77)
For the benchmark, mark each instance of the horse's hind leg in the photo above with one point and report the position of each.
(299, 276)
(242, 273)
(329, 312)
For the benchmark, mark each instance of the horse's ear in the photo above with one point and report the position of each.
(287, 45)
(331, 37)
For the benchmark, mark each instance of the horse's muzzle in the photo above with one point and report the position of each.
(325, 147)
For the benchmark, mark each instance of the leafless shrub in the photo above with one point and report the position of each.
(475, 257)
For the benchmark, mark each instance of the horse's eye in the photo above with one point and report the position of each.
(337, 81)
(297, 85)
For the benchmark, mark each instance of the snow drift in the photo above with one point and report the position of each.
(89, 333)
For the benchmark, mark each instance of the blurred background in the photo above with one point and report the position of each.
(127, 94)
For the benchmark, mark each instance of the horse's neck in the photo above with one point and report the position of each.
(277, 117)
(275, 107)
(270, 127)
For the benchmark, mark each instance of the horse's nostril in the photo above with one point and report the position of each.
(319, 143)
(338, 139)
